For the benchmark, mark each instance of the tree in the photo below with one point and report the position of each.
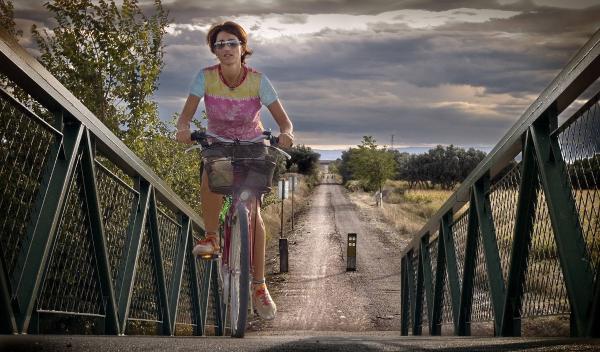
(443, 166)
(372, 165)
(7, 19)
(110, 57)
(304, 158)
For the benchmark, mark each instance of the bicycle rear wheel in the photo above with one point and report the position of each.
(239, 268)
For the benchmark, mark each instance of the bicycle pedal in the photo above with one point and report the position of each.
(208, 257)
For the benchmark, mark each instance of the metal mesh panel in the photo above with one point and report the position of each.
(169, 229)
(433, 251)
(145, 303)
(425, 312)
(409, 267)
(482, 304)
(544, 290)
(504, 196)
(117, 201)
(446, 301)
(71, 281)
(580, 148)
(459, 234)
(200, 270)
(211, 308)
(414, 265)
(21, 171)
(185, 308)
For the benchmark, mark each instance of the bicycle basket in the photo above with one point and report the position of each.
(249, 166)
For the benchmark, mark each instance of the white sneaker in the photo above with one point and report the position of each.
(262, 302)
(206, 247)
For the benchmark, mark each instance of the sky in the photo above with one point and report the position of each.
(426, 72)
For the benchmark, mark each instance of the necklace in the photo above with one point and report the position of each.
(238, 81)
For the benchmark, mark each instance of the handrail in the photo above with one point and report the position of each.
(46, 89)
(529, 244)
(77, 239)
(577, 75)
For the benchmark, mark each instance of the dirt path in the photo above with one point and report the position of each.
(318, 294)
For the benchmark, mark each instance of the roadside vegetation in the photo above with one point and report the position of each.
(412, 186)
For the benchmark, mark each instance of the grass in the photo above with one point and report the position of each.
(409, 209)
(272, 213)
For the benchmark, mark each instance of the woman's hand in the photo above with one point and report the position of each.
(184, 136)
(286, 139)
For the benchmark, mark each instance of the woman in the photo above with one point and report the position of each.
(233, 95)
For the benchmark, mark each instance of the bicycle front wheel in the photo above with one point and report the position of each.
(239, 266)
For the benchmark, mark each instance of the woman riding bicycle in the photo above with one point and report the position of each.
(233, 95)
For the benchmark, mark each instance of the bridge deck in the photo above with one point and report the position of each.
(333, 341)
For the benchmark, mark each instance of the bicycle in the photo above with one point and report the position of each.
(242, 170)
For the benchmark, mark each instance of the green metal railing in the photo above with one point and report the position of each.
(91, 240)
(518, 243)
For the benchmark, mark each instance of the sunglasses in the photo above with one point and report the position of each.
(232, 43)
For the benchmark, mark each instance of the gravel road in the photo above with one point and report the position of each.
(318, 294)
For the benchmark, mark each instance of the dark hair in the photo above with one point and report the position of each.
(231, 28)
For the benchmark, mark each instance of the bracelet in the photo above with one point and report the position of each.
(289, 134)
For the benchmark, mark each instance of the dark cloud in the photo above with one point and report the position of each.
(460, 83)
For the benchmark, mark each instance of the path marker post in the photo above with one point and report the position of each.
(283, 243)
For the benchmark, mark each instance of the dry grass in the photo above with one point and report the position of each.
(409, 209)
(272, 213)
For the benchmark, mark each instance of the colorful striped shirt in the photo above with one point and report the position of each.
(233, 113)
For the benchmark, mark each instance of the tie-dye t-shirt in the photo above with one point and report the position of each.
(233, 113)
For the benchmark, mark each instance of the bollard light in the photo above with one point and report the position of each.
(351, 252)
(283, 255)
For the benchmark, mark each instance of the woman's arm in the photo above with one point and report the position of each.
(286, 136)
(183, 134)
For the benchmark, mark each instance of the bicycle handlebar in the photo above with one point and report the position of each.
(201, 137)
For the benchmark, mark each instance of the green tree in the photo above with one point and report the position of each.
(372, 165)
(305, 159)
(7, 19)
(110, 57)
(441, 166)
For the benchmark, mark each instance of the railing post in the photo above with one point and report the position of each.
(135, 232)
(195, 288)
(438, 289)
(466, 297)
(490, 248)
(568, 235)
(523, 231)
(404, 301)
(178, 267)
(158, 262)
(451, 266)
(44, 222)
(98, 236)
(427, 277)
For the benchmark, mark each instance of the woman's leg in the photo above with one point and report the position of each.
(211, 206)
(259, 245)
(262, 301)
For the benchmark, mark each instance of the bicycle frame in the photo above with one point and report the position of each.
(236, 200)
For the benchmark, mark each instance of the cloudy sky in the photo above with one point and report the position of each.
(426, 71)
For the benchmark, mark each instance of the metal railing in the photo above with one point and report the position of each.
(91, 240)
(518, 243)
